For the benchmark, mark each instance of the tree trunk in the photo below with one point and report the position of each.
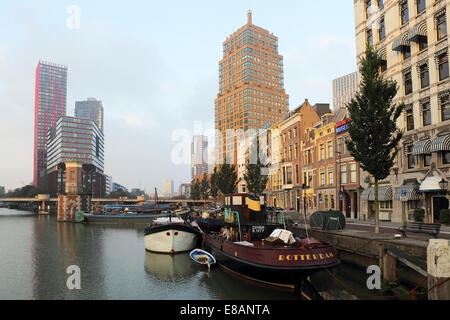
(377, 209)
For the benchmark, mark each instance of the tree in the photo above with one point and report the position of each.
(256, 181)
(195, 190)
(2, 191)
(213, 190)
(121, 194)
(28, 191)
(204, 188)
(373, 130)
(227, 179)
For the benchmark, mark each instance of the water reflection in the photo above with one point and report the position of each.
(36, 251)
(166, 267)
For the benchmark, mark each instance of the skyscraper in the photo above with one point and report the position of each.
(251, 86)
(344, 90)
(168, 188)
(90, 109)
(50, 104)
(199, 155)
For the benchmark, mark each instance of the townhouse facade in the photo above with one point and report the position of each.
(411, 36)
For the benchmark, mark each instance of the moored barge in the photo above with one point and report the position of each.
(257, 245)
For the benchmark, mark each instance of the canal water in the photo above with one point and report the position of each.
(35, 252)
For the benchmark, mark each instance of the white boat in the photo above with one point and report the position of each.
(171, 235)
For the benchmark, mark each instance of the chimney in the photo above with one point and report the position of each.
(249, 17)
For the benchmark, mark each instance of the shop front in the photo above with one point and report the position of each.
(434, 190)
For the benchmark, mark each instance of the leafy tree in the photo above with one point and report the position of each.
(373, 130)
(213, 189)
(227, 179)
(195, 190)
(204, 187)
(121, 194)
(2, 191)
(28, 191)
(256, 181)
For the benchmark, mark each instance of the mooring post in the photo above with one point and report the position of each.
(438, 265)
(389, 267)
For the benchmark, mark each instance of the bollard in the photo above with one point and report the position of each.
(438, 265)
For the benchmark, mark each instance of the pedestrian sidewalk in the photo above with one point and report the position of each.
(371, 222)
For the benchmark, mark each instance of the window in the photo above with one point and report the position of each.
(332, 201)
(340, 146)
(441, 25)
(406, 52)
(380, 4)
(409, 118)
(423, 43)
(426, 114)
(426, 160)
(297, 176)
(330, 175)
(408, 82)
(322, 177)
(343, 173)
(404, 14)
(381, 30)
(445, 107)
(352, 172)
(443, 66)
(322, 152)
(330, 149)
(369, 36)
(446, 157)
(410, 157)
(424, 76)
(421, 4)
(383, 65)
(368, 8)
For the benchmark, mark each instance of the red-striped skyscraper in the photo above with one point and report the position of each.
(50, 105)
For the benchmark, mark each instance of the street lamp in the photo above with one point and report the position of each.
(443, 184)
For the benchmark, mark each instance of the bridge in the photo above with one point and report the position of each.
(139, 200)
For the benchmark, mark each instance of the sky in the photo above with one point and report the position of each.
(155, 65)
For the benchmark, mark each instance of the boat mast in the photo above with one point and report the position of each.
(156, 198)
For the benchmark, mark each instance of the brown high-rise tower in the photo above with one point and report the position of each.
(251, 85)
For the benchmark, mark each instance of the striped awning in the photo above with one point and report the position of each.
(400, 42)
(441, 143)
(421, 147)
(383, 53)
(418, 31)
(407, 192)
(384, 194)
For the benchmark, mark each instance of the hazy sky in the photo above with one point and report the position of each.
(154, 64)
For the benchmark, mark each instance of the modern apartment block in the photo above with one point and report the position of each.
(411, 36)
(199, 155)
(251, 87)
(90, 109)
(74, 139)
(344, 89)
(50, 105)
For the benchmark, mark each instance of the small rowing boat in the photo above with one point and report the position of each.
(202, 257)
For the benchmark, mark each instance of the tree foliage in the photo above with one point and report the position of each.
(374, 135)
(373, 128)
(204, 188)
(227, 179)
(213, 189)
(254, 176)
(28, 191)
(195, 190)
